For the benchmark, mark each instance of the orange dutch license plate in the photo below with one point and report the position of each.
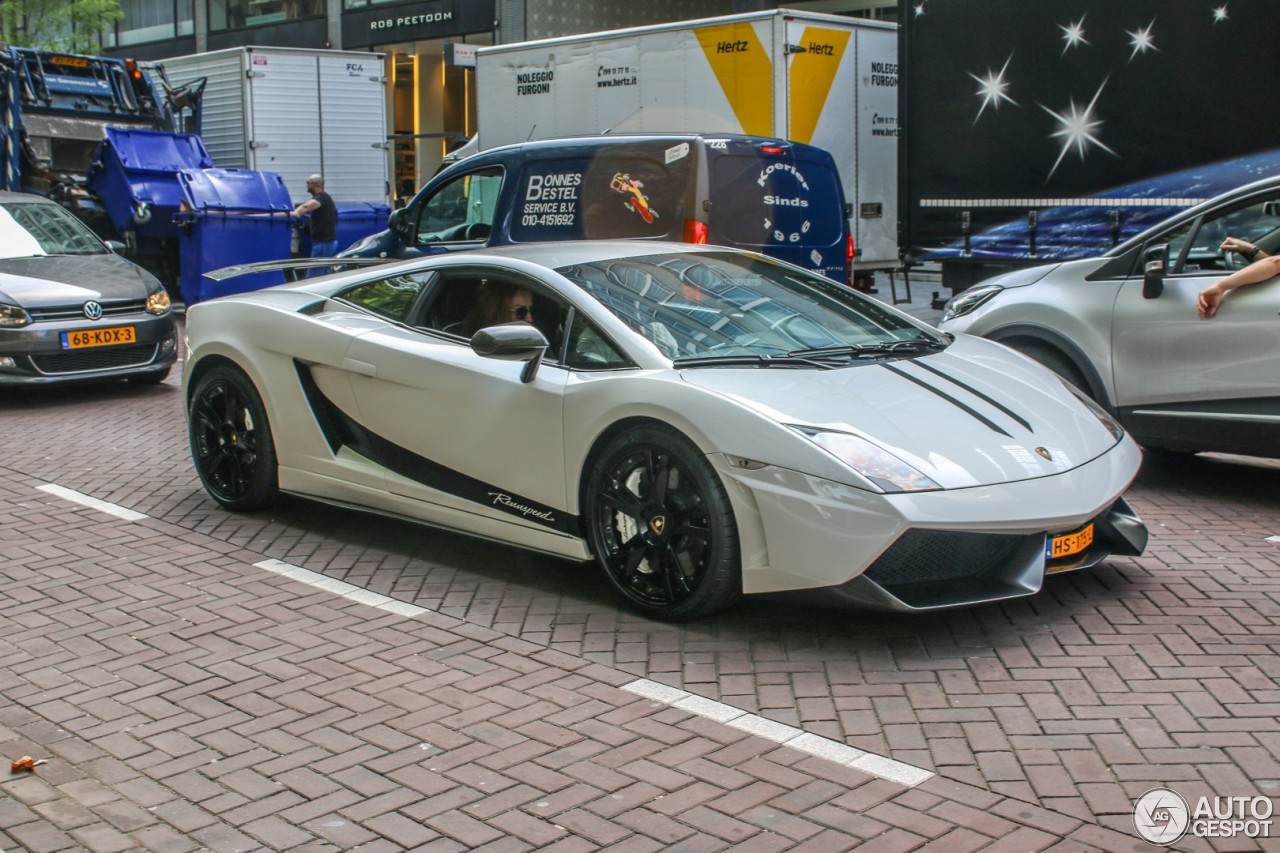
(99, 337)
(1069, 543)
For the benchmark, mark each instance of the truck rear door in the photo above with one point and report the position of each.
(778, 199)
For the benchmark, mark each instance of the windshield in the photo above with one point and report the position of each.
(28, 229)
(714, 304)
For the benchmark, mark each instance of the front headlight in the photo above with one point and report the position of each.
(13, 317)
(875, 463)
(157, 303)
(1112, 425)
(969, 300)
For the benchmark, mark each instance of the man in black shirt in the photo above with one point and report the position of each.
(324, 222)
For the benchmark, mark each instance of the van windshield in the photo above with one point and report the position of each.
(774, 202)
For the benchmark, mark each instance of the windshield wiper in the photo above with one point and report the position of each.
(905, 347)
(788, 360)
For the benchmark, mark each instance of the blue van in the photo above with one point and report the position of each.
(779, 198)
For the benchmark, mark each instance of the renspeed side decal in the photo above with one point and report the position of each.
(341, 429)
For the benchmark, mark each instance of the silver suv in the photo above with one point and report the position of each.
(1124, 328)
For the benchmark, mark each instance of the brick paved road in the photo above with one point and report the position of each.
(1054, 713)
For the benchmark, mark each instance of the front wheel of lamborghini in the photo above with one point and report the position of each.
(231, 444)
(661, 526)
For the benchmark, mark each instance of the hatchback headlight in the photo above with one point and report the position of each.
(875, 463)
(13, 317)
(158, 303)
(969, 300)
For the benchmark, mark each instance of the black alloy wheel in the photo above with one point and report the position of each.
(231, 443)
(661, 526)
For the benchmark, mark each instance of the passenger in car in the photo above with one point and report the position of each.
(1264, 268)
(498, 302)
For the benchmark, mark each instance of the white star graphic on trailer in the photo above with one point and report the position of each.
(992, 89)
(1073, 35)
(1220, 14)
(1077, 129)
(919, 9)
(1141, 40)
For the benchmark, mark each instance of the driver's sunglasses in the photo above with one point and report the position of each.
(522, 312)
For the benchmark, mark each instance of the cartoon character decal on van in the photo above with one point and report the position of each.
(636, 199)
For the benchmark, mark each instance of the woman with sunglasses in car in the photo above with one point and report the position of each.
(498, 302)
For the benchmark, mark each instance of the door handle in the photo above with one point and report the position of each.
(364, 368)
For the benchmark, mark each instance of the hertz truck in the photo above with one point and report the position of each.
(824, 80)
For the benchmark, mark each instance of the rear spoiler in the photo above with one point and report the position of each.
(237, 270)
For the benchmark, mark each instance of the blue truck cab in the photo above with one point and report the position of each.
(782, 199)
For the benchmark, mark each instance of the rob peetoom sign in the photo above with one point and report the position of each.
(395, 22)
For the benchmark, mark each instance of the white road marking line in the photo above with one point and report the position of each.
(875, 765)
(91, 502)
(342, 588)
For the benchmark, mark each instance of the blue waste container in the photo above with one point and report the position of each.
(238, 216)
(356, 220)
(135, 175)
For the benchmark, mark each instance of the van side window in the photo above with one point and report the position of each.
(461, 210)
(622, 194)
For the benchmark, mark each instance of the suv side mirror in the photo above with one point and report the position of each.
(1153, 262)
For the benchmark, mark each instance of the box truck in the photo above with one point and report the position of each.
(824, 80)
(296, 112)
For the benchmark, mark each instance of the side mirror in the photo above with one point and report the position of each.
(398, 222)
(1153, 261)
(512, 342)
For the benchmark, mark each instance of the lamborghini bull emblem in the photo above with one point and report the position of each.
(1044, 451)
(658, 524)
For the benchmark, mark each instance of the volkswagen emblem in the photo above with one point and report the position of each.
(1044, 451)
(93, 310)
(658, 524)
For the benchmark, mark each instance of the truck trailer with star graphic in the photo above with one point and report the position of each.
(1054, 130)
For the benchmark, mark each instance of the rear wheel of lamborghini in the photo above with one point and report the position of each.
(231, 442)
(660, 525)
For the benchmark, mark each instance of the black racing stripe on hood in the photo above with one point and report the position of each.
(990, 424)
(975, 392)
(341, 430)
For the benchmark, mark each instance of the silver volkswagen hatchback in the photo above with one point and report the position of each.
(71, 310)
(1124, 327)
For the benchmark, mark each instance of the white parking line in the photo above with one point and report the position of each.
(342, 588)
(85, 500)
(875, 765)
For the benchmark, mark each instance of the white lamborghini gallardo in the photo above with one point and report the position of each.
(701, 422)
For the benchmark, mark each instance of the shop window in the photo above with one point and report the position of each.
(147, 21)
(233, 14)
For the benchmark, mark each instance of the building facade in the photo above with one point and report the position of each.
(427, 46)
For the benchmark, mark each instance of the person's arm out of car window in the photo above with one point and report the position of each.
(1260, 270)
